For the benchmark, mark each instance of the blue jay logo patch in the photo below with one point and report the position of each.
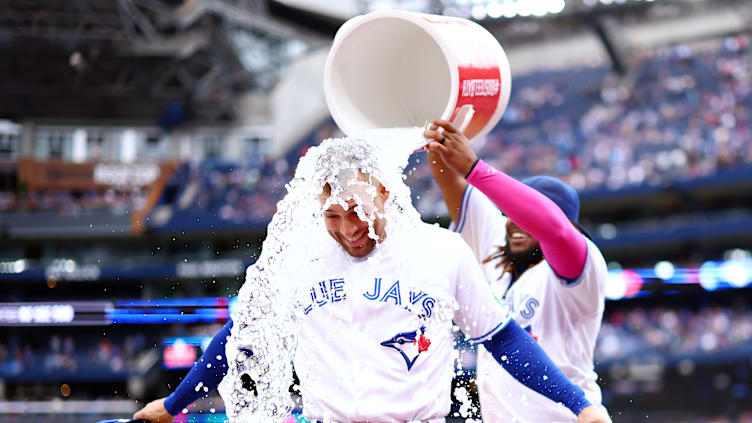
(409, 345)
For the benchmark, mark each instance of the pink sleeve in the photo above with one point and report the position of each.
(563, 246)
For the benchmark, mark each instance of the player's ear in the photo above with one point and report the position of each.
(325, 193)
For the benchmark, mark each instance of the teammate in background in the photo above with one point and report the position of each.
(537, 259)
(387, 368)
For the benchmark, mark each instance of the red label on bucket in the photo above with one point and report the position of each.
(481, 88)
(476, 55)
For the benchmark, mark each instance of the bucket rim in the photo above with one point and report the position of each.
(412, 17)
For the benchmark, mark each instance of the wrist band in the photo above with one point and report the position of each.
(472, 167)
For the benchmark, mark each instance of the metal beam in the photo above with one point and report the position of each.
(182, 45)
(99, 54)
(129, 9)
(193, 10)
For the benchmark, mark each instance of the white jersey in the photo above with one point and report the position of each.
(563, 315)
(376, 342)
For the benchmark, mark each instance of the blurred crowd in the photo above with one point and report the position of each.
(232, 192)
(238, 192)
(674, 332)
(685, 113)
(671, 332)
(68, 355)
(74, 203)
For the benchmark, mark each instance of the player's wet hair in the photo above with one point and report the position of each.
(326, 190)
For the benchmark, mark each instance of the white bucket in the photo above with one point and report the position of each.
(401, 69)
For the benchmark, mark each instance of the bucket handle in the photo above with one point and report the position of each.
(463, 117)
(460, 122)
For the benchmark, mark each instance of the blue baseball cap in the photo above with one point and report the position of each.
(562, 194)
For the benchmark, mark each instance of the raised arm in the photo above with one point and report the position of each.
(451, 183)
(203, 378)
(563, 246)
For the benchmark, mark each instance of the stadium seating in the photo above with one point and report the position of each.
(687, 115)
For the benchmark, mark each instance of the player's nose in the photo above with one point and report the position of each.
(348, 228)
(353, 224)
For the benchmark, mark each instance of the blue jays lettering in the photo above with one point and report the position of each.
(522, 304)
(332, 291)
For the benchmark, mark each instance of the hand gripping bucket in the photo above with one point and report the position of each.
(400, 69)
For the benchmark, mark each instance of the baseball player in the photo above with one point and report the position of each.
(537, 260)
(374, 345)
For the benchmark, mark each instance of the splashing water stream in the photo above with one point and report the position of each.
(264, 336)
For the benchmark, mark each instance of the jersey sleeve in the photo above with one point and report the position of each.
(585, 295)
(481, 224)
(478, 314)
(206, 373)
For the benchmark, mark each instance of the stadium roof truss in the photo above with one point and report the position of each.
(133, 59)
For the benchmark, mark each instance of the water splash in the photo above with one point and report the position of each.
(264, 337)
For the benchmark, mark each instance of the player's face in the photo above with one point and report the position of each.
(347, 228)
(519, 241)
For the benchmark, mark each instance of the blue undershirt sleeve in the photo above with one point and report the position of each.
(525, 360)
(208, 370)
